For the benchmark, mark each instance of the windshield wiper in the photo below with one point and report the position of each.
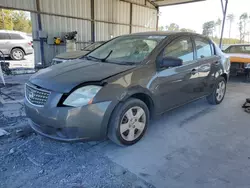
(101, 59)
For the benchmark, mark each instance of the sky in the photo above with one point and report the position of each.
(193, 15)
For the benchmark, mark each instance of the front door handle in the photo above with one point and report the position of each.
(194, 71)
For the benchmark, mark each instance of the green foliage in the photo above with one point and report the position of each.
(6, 16)
(226, 40)
(243, 25)
(15, 20)
(208, 28)
(187, 30)
(161, 28)
(172, 27)
(175, 27)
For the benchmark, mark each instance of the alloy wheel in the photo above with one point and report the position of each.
(17, 54)
(220, 91)
(133, 123)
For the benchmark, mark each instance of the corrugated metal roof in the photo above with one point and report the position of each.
(144, 17)
(105, 31)
(76, 8)
(172, 2)
(19, 4)
(112, 11)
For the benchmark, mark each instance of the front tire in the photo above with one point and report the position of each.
(218, 94)
(17, 54)
(128, 122)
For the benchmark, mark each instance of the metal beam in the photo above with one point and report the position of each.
(131, 18)
(138, 4)
(152, 3)
(157, 21)
(180, 3)
(224, 11)
(39, 23)
(92, 9)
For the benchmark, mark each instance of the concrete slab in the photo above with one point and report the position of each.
(197, 145)
(27, 62)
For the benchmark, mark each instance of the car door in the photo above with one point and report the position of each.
(177, 85)
(4, 41)
(209, 64)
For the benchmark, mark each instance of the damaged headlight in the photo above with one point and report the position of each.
(82, 96)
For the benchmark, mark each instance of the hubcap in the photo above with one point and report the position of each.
(17, 54)
(220, 91)
(133, 123)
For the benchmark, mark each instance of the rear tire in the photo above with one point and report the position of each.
(128, 122)
(217, 96)
(17, 54)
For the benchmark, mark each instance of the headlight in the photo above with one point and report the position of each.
(82, 96)
(247, 66)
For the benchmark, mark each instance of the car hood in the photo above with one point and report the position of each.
(72, 55)
(239, 57)
(65, 76)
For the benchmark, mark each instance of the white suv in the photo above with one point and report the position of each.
(15, 44)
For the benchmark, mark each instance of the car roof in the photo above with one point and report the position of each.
(239, 45)
(166, 33)
(11, 31)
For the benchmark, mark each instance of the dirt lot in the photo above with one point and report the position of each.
(197, 145)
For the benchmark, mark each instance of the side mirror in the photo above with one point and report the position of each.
(171, 62)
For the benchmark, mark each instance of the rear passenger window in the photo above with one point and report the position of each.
(203, 48)
(4, 36)
(181, 48)
(15, 36)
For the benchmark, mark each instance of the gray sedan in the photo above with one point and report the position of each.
(69, 56)
(115, 90)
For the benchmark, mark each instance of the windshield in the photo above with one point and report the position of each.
(93, 46)
(238, 49)
(126, 49)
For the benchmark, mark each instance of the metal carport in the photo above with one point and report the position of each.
(94, 20)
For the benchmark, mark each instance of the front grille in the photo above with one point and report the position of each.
(35, 95)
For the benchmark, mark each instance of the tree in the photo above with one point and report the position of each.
(230, 18)
(15, 20)
(242, 26)
(218, 24)
(6, 19)
(173, 27)
(187, 30)
(21, 22)
(161, 28)
(208, 28)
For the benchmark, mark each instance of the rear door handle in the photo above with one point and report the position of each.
(194, 71)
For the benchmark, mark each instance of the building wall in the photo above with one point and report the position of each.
(111, 18)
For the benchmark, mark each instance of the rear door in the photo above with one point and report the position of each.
(4, 43)
(209, 64)
(17, 40)
(177, 85)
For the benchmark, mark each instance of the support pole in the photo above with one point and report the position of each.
(131, 18)
(92, 7)
(157, 21)
(39, 22)
(224, 11)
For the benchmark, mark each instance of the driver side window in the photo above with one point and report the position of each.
(180, 48)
